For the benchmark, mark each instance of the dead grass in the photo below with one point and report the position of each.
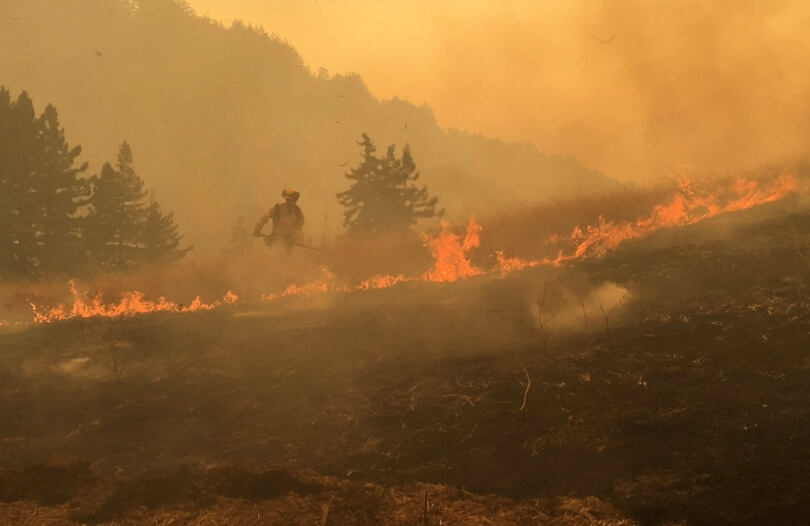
(347, 503)
(249, 275)
(522, 231)
(359, 257)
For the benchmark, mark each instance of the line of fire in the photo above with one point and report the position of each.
(451, 252)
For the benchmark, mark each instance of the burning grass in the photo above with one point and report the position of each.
(592, 225)
(368, 262)
(686, 207)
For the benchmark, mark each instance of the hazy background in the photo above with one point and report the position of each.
(503, 103)
(632, 87)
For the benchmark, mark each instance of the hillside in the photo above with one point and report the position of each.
(221, 119)
(662, 384)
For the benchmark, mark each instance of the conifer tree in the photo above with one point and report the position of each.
(56, 180)
(40, 191)
(160, 239)
(116, 214)
(19, 150)
(11, 190)
(122, 230)
(383, 196)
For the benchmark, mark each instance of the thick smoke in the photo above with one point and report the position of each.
(635, 88)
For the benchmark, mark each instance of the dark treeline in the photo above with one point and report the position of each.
(223, 118)
(56, 221)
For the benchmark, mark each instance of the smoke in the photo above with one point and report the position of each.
(634, 88)
(556, 303)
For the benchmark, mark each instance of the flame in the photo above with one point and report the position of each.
(382, 282)
(327, 282)
(132, 303)
(685, 208)
(507, 265)
(450, 252)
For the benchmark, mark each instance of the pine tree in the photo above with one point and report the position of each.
(19, 150)
(11, 189)
(383, 196)
(159, 237)
(116, 215)
(40, 191)
(56, 179)
(122, 231)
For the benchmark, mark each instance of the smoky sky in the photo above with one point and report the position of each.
(636, 88)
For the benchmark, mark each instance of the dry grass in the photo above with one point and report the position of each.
(348, 503)
(525, 230)
(522, 231)
(249, 274)
(360, 257)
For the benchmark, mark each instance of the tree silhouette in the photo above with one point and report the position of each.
(42, 194)
(56, 180)
(383, 196)
(122, 230)
(159, 238)
(117, 214)
(40, 191)
(15, 132)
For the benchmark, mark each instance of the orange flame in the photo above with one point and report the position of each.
(507, 265)
(325, 283)
(132, 303)
(685, 208)
(450, 252)
(382, 282)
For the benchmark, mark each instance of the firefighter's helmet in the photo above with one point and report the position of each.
(290, 193)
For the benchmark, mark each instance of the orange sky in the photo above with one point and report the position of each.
(635, 88)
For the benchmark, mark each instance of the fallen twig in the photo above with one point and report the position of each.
(528, 386)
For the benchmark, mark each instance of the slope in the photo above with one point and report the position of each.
(662, 384)
(221, 119)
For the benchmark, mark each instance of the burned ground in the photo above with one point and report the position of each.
(684, 401)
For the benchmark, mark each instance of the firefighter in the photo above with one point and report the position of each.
(288, 221)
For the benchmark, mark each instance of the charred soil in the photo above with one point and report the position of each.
(522, 400)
